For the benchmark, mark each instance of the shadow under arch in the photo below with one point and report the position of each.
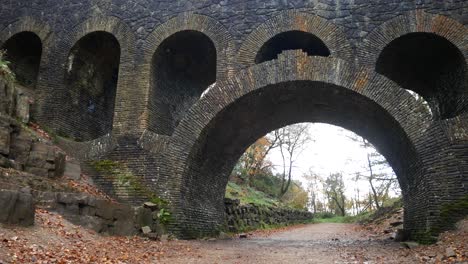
(91, 78)
(199, 26)
(183, 67)
(32, 25)
(51, 107)
(425, 53)
(430, 65)
(298, 30)
(24, 52)
(295, 88)
(291, 40)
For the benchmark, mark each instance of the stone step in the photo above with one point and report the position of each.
(72, 169)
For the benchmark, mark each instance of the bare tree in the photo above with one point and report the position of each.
(377, 173)
(273, 142)
(291, 142)
(313, 180)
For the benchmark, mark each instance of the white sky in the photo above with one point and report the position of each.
(330, 151)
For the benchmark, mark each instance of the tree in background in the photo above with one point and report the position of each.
(291, 142)
(334, 190)
(377, 173)
(313, 188)
(254, 169)
(296, 196)
(253, 161)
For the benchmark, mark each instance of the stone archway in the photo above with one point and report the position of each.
(298, 88)
(424, 53)
(55, 94)
(177, 34)
(36, 57)
(24, 51)
(183, 67)
(91, 80)
(292, 29)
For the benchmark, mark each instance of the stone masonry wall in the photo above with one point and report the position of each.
(138, 25)
(238, 218)
(428, 152)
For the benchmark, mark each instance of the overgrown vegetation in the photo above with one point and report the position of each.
(263, 190)
(332, 218)
(247, 194)
(5, 70)
(119, 174)
(450, 213)
(253, 179)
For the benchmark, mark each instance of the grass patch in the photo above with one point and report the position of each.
(249, 195)
(344, 219)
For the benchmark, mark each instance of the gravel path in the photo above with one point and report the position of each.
(314, 243)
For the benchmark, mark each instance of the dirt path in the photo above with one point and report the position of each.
(314, 243)
(55, 240)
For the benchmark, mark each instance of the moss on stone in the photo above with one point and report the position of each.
(450, 213)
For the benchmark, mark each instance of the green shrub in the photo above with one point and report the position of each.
(5, 70)
(324, 215)
(164, 216)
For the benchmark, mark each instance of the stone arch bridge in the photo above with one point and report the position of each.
(178, 90)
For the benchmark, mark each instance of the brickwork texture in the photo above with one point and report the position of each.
(176, 90)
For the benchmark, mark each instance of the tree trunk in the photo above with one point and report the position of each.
(371, 177)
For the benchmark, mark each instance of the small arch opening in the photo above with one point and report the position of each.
(91, 79)
(183, 66)
(292, 40)
(431, 66)
(24, 52)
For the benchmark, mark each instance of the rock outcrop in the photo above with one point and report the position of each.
(16, 207)
(98, 214)
(21, 150)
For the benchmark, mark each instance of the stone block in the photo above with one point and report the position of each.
(23, 105)
(5, 139)
(72, 198)
(143, 217)
(20, 147)
(40, 147)
(105, 209)
(59, 164)
(124, 228)
(37, 159)
(92, 222)
(72, 170)
(151, 206)
(123, 212)
(146, 229)
(37, 171)
(16, 208)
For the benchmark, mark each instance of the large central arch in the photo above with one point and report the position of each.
(297, 88)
